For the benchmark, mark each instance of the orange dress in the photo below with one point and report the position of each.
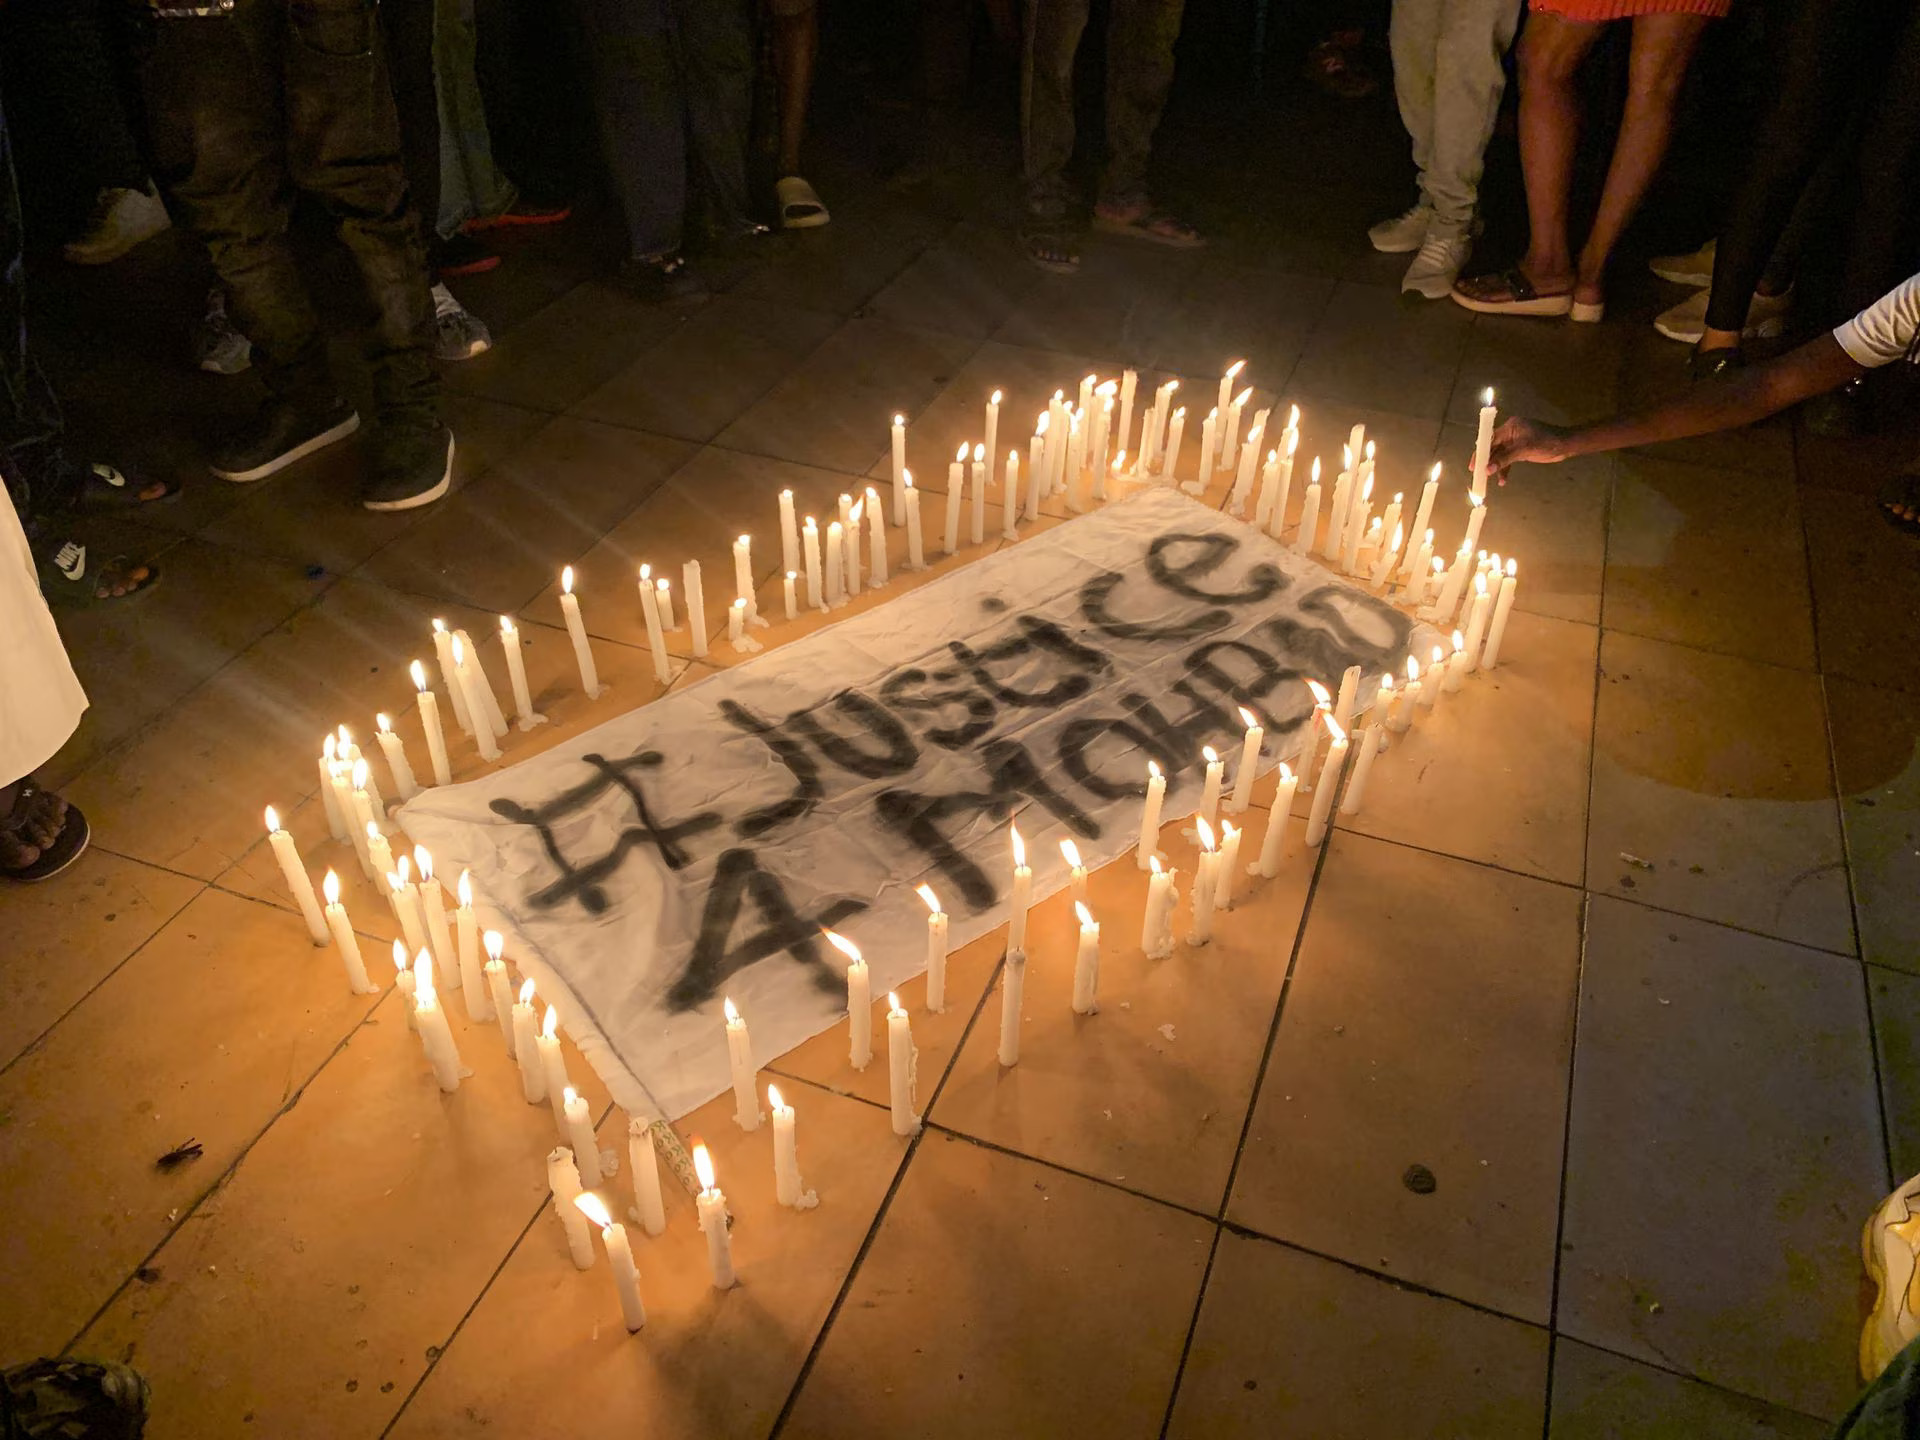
(1596, 12)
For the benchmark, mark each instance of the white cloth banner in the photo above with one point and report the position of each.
(695, 847)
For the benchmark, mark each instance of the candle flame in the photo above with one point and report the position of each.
(526, 992)
(494, 942)
(1479, 585)
(439, 625)
(733, 1011)
(568, 1095)
(330, 887)
(406, 870)
(979, 453)
(1040, 425)
(1213, 413)
(459, 653)
(853, 515)
(894, 1007)
(360, 773)
(1366, 490)
(926, 893)
(465, 890)
(1086, 915)
(1206, 835)
(346, 737)
(419, 673)
(1171, 386)
(1486, 397)
(739, 604)
(906, 479)
(1437, 658)
(1399, 531)
(1154, 861)
(960, 455)
(594, 1208)
(1248, 718)
(899, 420)
(1513, 568)
(1019, 847)
(395, 883)
(425, 861)
(1227, 831)
(1439, 565)
(1386, 687)
(703, 1165)
(1181, 413)
(1106, 387)
(775, 1100)
(1321, 695)
(1119, 460)
(329, 746)
(1315, 478)
(845, 946)
(1212, 758)
(1070, 852)
(1379, 523)
(1153, 770)
(1240, 400)
(373, 832)
(1475, 501)
(384, 725)
(808, 524)
(400, 958)
(663, 585)
(1286, 772)
(1346, 457)
(1369, 450)
(1413, 669)
(423, 996)
(566, 580)
(1333, 729)
(551, 1024)
(273, 820)
(994, 399)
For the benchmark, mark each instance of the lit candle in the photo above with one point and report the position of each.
(1310, 738)
(577, 632)
(1227, 378)
(467, 928)
(859, 1003)
(663, 594)
(563, 1182)
(1337, 512)
(403, 982)
(1357, 514)
(1483, 445)
(430, 722)
(443, 652)
(1401, 719)
(480, 684)
(793, 608)
(626, 1276)
(1076, 871)
(1176, 433)
(378, 851)
(1086, 963)
(1416, 570)
(916, 558)
(790, 529)
(1206, 888)
(1454, 584)
(344, 939)
(1421, 516)
(1502, 608)
(1477, 621)
(406, 906)
(337, 818)
(899, 470)
(978, 530)
(526, 1050)
(746, 1103)
(1162, 409)
(499, 998)
(712, 1207)
(1129, 382)
(1272, 514)
(1396, 537)
(992, 431)
(956, 492)
(1209, 449)
(405, 786)
(936, 951)
(1013, 985)
(1229, 864)
(696, 589)
(433, 910)
(903, 1067)
(295, 874)
(1268, 864)
(1431, 680)
(644, 1164)
(1476, 518)
(788, 1188)
(876, 541)
(586, 1152)
(1209, 810)
(1150, 816)
(1022, 896)
(836, 557)
(1010, 497)
(1243, 473)
(1156, 934)
(553, 1066)
(810, 538)
(851, 540)
(463, 677)
(1102, 441)
(1329, 782)
(1382, 709)
(1309, 513)
(737, 626)
(359, 805)
(523, 709)
(1356, 792)
(436, 1036)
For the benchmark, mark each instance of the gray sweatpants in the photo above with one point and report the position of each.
(1448, 78)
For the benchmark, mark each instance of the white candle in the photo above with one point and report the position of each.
(746, 1095)
(378, 851)
(836, 556)
(499, 998)
(463, 677)
(663, 596)
(406, 906)
(430, 722)
(1329, 782)
(1076, 871)
(936, 951)
(577, 632)
(1230, 431)
(644, 1165)
(810, 539)
(742, 584)
(433, 910)
(1013, 985)
(1477, 621)
(1417, 568)
(337, 818)
(436, 1036)
(1381, 710)
(899, 472)
(1278, 814)
(876, 541)
(1102, 442)
(403, 982)
(1206, 887)
(626, 1275)
(1229, 864)
(1271, 514)
(1431, 678)
(1476, 518)
(1357, 514)
(1150, 816)
(553, 1066)
(523, 710)
(903, 1068)
(1086, 963)
(1010, 498)
(737, 625)
(711, 1204)
(1249, 767)
(467, 930)
(696, 589)
(1356, 792)
(1503, 607)
(792, 601)
(1337, 511)
(1227, 378)
(1022, 897)
(1209, 810)
(1209, 449)
(526, 1049)
(563, 1183)
(1129, 382)
(1243, 474)
(1036, 465)
(851, 541)
(405, 786)
(1162, 409)
(443, 652)
(481, 686)
(1483, 444)
(790, 528)
(1176, 433)
(1421, 515)
(991, 434)
(1455, 583)
(788, 1188)
(586, 1152)
(1309, 513)
(859, 1003)
(956, 492)
(978, 529)
(295, 874)
(916, 558)
(344, 939)
(1156, 932)
(1400, 718)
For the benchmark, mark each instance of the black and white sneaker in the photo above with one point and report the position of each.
(412, 465)
(281, 433)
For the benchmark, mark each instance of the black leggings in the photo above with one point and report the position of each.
(1885, 244)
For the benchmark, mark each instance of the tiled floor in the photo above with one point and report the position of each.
(1622, 950)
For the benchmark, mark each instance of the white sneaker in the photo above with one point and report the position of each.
(1888, 1245)
(1403, 233)
(1687, 321)
(121, 220)
(1443, 254)
(461, 334)
(220, 349)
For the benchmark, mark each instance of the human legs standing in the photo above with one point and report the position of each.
(1551, 53)
(1140, 40)
(1051, 45)
(637, 92)
(713, 43)
(796, 40)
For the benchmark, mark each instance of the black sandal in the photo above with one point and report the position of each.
(1903, 491)
(67, 846)
(70, 577)
(104, 487)
(1052, 245)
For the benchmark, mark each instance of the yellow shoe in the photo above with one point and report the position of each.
(1888, 1245)
(1695, 269)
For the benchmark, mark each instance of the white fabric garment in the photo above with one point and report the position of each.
(1884, 331)
(40, 697)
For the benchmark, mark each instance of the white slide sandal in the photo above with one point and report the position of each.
(800, 207)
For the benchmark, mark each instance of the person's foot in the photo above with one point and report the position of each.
(1404, 233)
(460, 254)
(664, 280)
(72, 576)
(40, 833)
(1710, 364)
(1142, 220)
(1051, 244)
(1515, 292)
(1695, 269)
(410, 465)
(1900, 500)
(459, 334)
(1443, 254)
(522, 212)
(281, 432)
(1687, 321)
(121, 219)
(219, 349)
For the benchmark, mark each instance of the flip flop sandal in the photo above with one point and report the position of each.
(1155, 227)
(71, 577)
(104, 487)
(67, 846)
(800, 207)
(1047, 243)
(1337, 69)
(1522, 298)
(1901, 490)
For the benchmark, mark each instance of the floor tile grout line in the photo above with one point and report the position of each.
(219, 1181)
(1665, 1368)
(879, 1218)
(1566, 1155)
(1193, 1326)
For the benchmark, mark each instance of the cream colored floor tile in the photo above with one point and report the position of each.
(1004, 1298)
(1498, 772)
(1552, 519)
(308, 1294)
(1866, 583)
(1290, 1344)
(568, 349)
(1711, 558)
(967, 284)
(1598, 1396)
(215, 1024)
(1562, 374)
(1894, 996)
(1711, 777)
(1429, 1023)
(1370, 348)
(66, 936)
(1150, 1092)
(544, 1351)
(1876, 756)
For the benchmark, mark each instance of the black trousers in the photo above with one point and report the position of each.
(30, 426)
(281, 96)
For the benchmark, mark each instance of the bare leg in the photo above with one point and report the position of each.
(796, 38)
(1551, 52)
(1663, 48)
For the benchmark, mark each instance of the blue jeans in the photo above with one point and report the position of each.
(471, 185)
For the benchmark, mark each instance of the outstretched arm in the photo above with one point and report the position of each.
(1739, 399)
